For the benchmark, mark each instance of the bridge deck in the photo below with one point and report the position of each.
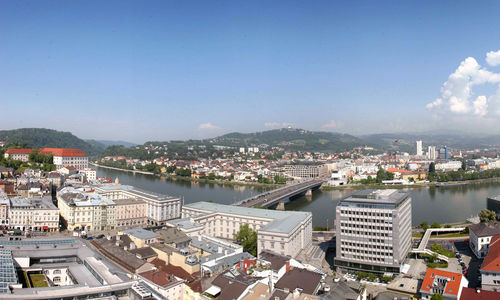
(271, 197)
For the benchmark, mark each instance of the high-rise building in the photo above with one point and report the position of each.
(431, 153)
(419, 148)
(443, 153)
(373, 230)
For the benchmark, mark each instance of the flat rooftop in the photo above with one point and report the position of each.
(279, 221)
(135, 191)
(386, 196)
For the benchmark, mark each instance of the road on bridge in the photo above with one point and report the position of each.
(266, 198)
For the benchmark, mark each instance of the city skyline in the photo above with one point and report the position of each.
(164, 71)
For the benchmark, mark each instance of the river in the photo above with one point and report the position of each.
(431, 204)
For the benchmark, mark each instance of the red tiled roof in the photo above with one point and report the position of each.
(492, 260)
(453, 285)
(393, 170)
(19, 151)
(159, 277)
(63, 152)
(473, 294)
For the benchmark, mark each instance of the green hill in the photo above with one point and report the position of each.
(293, 139)
(41, 137)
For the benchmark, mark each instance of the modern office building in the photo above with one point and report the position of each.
(307, 170)
(85, 211)
(160, 207)
(443, 153)
(284, 232)
(373, 230)
(419, 148)
(431, 153)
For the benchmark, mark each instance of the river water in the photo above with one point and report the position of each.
(431, 204)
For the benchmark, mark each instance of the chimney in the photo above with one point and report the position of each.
(219, 250)
(286, 290)
(118, 237)
(125, 248)
(132, 246)
(108, 237)
(117, 244)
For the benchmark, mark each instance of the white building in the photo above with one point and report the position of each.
(419, 148)
(453, 165)
(160, 207)
(284, 232)
(373, 230)
(68, 157)
(90, 174)
(33, 214)
(480, 236)
(490, 268)
(18, 154)
(307, 170)
(431, 153)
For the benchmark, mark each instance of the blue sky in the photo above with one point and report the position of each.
(161, 70)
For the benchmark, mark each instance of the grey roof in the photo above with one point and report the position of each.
(184, 223)
(392, 296)
(386, 196)
(135, 191)
(140, 233)
(80, 198)
(276, 260)
(144, 252)
(229, 261)
(341, 291)
(38, 202)
(485, 229)
(279, 221)
(306, 280)
(173, 235)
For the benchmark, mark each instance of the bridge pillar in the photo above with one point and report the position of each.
(309, 192)
(281, 206)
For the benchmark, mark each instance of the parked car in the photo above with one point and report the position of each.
(89, 238)
(100, 236)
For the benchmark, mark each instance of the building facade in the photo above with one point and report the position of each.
(419, 148)
(130, 212)
(373, 230)
(33, 214)
(284, 232)
(490, 268)
(445, 283)
(68, 157)
(307, 170)
(160, 207)
(85, 211)
(18, 154)
(480, 236)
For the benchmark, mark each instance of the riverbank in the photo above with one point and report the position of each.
(196, 180)
(409, 186)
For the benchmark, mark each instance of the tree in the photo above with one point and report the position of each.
(424, 225)
(487, 216)
(464, 165)
(435, 225)
(437, 297)
(247, 238)
(432, 168)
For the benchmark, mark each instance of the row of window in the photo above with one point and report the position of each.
(367, 252)
(346, 231)
(345, 224)
(364, 213)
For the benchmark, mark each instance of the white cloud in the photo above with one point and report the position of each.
(456, 92)
(493, 58)
(332, 124)
(208, 126)
(480, 106)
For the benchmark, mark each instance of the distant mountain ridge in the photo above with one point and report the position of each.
(42, 137)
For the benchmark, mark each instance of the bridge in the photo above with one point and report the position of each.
(274, 197)
(422, 247)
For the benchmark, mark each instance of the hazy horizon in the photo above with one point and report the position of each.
(141, 71)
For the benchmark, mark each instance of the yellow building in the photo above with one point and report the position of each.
(85, 211)
(140, 237)
(181, 258)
